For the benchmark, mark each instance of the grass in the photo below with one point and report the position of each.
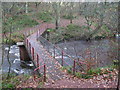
(90, 73)
(13, 80)
(68, 68)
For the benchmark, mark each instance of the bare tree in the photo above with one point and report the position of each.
(71, 11)
(56, 8)
(94, 12)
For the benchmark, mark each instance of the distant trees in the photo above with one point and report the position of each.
(95, 13)
(5, 13)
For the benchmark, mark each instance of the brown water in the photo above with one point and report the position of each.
(102, 52)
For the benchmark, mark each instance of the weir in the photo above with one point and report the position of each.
(23, 52)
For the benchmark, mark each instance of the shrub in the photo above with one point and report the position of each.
(73, 27)
(94, 71)
(7, 85)
(45, 16)
(85, 76)
(78, 74)
(69, 70)
(68, 17)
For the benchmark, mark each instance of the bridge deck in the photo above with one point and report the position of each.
(52, 66)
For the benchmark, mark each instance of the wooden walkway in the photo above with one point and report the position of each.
(39, 54)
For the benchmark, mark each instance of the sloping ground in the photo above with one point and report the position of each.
(100, 81)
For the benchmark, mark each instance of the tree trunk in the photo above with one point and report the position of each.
(26, 7)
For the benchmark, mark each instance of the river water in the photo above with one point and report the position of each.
(17, 66)
(100, 52)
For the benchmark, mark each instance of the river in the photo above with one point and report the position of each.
(17, 66)
(102, 52)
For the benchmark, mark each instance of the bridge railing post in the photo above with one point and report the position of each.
(33, 53)
(37, 60)
(29, 47)
(74, 67)
(44, 73)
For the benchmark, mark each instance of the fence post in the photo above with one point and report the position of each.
(54, 51)
(62, 57)
(44, 73)
(33, 53)
(37, 60)
(30, 47)
(74, 67)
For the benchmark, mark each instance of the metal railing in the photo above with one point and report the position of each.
(58, 54)
(38, 61)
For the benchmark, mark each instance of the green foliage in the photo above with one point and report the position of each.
(68, 68)
(50, 30)
(7, 85)
(85, 76)
(73, 27)
(18, 22)
(27, 88)
(13, 80)
(15, 37)
(78, 75)
(68, 17)
(45, 16)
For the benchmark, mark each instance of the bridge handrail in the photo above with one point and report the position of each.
(57, 47)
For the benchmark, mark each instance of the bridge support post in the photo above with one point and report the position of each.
(37, 60)
(33, 53)
(74, 67)
(23, 52)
